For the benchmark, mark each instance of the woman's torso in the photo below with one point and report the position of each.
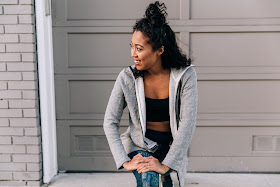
(157, 94)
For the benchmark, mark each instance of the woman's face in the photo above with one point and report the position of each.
(142, 52)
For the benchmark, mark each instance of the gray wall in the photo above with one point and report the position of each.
(20, 138)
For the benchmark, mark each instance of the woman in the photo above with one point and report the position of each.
(160, 92)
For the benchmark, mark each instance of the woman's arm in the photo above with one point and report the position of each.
(187, 123)
(112, 118)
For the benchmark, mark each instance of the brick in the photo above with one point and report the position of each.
(26, 2)
(10, 113)
(22, 104)
(24, 122)
(20, 47)
(19, 29)
(10, 94)
(3, 85)
(12, 149)
(30, 113)
(2, 48)
(4, 122)
(26, 140)
(1, 28)
(9, 57)
(22, 85)
(9, 38)
(30, 94)
(12, 167)
(26, 19)
(27, 38)
(8, 19)
(6, 176)
(18, 9)
(10, 76)
(5, 158)
(34, 166)
(32, 131)
(34, 183)
(5, 140)
(26, 158)
(12, 183)
(28, 57)
(21, 67)
(27, 175)
(3, 104)
(29, 76)
(1, 10)
(8, 2)
(11, 131)
(33, 149)
(2, 68)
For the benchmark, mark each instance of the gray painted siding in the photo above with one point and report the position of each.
(20, 134)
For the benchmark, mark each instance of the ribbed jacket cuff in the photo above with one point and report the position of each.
(120, 163)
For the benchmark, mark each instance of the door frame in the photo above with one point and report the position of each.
(46, 88)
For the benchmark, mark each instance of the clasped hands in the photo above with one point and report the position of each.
(145, 164)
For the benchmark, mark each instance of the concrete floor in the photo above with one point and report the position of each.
(192, 180)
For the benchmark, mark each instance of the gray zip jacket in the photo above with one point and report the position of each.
(128, 92)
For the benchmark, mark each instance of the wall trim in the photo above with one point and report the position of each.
(46, 88)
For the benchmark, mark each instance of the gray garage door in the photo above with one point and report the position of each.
(236, 50)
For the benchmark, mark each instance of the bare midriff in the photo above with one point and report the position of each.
(162, 126)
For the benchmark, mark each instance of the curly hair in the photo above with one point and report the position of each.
(154, 26)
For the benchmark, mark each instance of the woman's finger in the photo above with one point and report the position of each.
(144, 168)
(141, 166)
(147, 158)
(143, 160)
(148, 167)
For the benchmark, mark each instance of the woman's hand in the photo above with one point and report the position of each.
(134, 163)
(152, 164)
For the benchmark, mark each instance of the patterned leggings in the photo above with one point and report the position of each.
(151, 178)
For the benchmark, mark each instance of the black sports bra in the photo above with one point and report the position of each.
(157, 109)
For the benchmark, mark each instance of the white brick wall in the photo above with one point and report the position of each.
(20, 132)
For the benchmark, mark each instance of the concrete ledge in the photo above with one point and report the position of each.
(192, 180)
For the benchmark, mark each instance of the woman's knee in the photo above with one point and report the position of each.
(150, 179)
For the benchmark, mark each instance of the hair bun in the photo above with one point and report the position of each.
(156, 13)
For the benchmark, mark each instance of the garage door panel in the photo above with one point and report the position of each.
(220, 9)
(83, 96)
(236, 49)
(98, 50)
(88, 52)
(88, 141)
(89, 96)
(235, 141)
(84, 148)
(239, 97)
(106, 9)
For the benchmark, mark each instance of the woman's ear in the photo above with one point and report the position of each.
(160, 50)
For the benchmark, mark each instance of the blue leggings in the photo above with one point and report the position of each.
(151, 178)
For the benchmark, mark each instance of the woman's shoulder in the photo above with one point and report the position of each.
(126, 74)
(190, 73)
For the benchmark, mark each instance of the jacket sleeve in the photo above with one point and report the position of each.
(112, 118)
(187, 123)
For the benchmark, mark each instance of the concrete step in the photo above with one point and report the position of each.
(192, 180)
